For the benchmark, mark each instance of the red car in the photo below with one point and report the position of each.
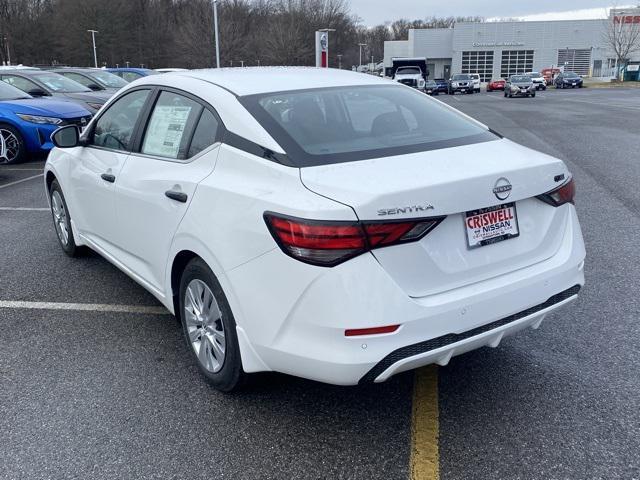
(496, 85)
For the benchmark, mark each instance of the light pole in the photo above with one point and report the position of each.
(620, 15)
(95, 52)
(361, 45)
(339, 61)
(215, 26)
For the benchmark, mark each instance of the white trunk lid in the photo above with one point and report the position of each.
(452, 181)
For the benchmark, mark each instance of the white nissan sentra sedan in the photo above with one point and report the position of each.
(321, 223)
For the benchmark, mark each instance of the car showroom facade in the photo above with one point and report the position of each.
(500, 49)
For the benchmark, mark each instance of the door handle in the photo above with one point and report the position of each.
(177, 196)
(107, 177)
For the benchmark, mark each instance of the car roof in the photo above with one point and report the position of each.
(257, 80)
(128, 69)
(74, 69)
(29, 72)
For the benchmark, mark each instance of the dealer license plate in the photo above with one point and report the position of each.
(491, 225)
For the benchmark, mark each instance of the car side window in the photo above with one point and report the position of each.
(170, 125)
(114, 128)
(19, 82)
(131, 76)
(206, 133)
(81, 79)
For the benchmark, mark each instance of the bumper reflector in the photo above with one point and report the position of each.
(354, 332)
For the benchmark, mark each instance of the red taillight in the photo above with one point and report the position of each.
(330, 243)
(561, 195)
(354, 332)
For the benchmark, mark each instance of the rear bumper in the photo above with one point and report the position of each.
(295, 319)
(440, 349)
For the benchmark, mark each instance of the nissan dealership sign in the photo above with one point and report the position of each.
(498, 44)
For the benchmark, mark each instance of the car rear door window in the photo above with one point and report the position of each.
(114, 129)
(81, 79)
(20, 82)
(206, 133)
(170, 126)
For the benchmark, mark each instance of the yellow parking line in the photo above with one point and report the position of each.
(425, 455)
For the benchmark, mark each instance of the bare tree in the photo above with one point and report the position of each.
(622, 38)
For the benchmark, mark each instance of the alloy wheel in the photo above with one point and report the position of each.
(60, 217)
(9, 146)
(205, 329)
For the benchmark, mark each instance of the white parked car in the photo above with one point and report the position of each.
(476, 82)
(538, 80)
(316, 222)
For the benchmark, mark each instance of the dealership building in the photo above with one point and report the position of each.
(500, 49)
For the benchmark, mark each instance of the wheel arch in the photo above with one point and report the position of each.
(49, 178)
(180, 262)
(185, 250)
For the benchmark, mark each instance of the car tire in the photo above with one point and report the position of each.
(210, 331)
(62, 220)
(16, 149)
(533, 95)
(505, 94)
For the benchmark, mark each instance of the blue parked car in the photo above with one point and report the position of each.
(443, 85)
(131, 74)
(26, 123)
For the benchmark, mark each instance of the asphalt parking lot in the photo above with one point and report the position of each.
(95, 380)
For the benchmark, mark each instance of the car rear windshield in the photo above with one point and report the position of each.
(571, 75)
(59, 83)
(409, 71)
(342, 124)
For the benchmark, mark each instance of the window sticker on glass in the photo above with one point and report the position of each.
(165, 131)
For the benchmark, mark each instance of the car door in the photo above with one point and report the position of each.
(176, 150)
(97, 171)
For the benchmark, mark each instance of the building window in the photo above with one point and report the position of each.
(478, 62)
(575, 60)
(515, 62)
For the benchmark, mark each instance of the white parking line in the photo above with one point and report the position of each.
(8, 169)
(20, 181)
(24, 209)
(85, 307)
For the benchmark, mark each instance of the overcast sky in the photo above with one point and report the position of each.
(374, 12)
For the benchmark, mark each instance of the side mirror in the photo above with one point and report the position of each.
(37, 92)
(95, 87)
(66, 137)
